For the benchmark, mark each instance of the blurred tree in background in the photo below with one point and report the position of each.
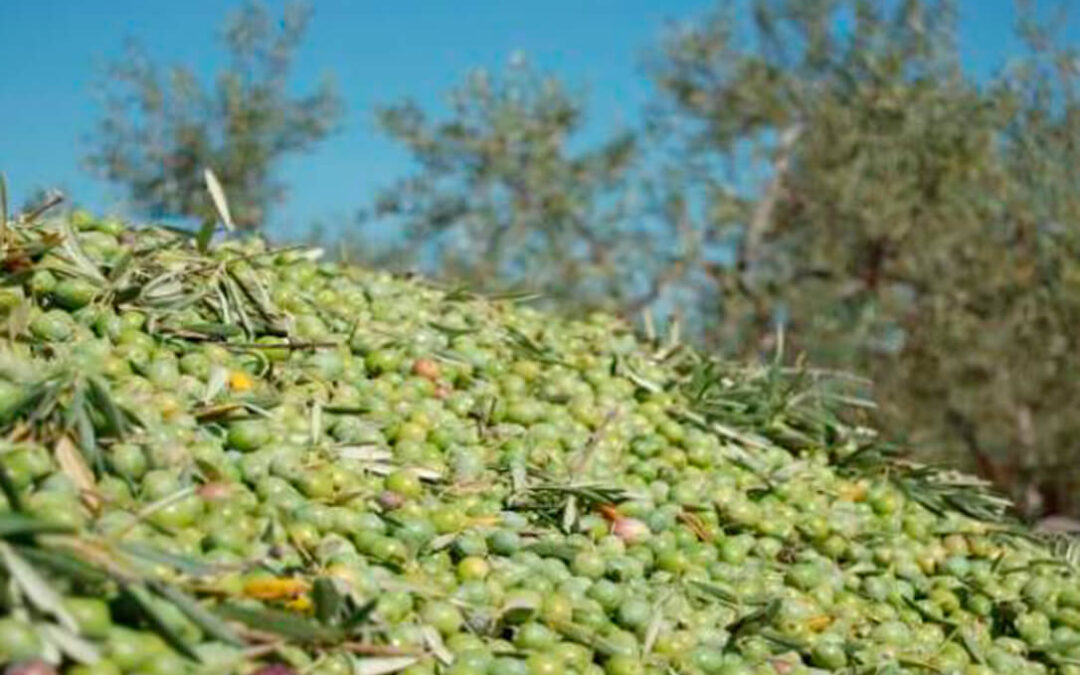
(916, 225)
(163, 127)
(501, 199)
(825, 165)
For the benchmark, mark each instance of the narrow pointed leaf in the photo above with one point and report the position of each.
(286, 624)
(217, 194)
(211, 624)
(13, 524)
(142, 599)
(37, 589)
(104, 401)
(70, 643)
(382, 665)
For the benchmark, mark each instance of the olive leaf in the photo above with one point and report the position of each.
(62, 563)
(199, 615)
(74, 251)
(656, 623)
(329, 602)
(144, 602)
(286, 624)
(382, 665)
(10, 490)
(13, 524)
(71, 462)
(518, 610)
(217, 194)
(69, 643)
(36, 588)
(435, 644)
(359, 614)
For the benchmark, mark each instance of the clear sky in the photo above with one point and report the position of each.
(378, 51)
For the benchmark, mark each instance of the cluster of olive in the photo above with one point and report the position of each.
(510, 493)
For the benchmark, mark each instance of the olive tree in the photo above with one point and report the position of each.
(909, 222)
(827, 169)
(502, 197)
(162, 127)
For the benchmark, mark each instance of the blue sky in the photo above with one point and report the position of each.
(378, 51)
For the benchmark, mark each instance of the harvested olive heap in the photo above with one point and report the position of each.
(245, 459)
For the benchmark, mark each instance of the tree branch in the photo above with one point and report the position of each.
(763, 213)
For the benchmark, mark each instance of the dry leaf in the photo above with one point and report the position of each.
(73, 464)
(382, 665)
(217, 194)
(276, 588)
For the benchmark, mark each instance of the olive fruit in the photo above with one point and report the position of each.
(460, 485)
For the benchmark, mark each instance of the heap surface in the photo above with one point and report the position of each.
(214, 461)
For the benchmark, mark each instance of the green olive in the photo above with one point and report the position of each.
(829, 654)
(52, 326)
(404, 482)
(576, 520)
(130, 649)
(248, 435)
(634, 613)
(74, 292)
(101, 667)
(540, 663)
(621, 664)
(91, 615)
(443, 616)
(18, 640)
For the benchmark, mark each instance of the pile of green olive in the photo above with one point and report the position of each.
(495, 490)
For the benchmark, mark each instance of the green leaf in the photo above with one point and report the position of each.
(328, 601)
(204, 236)
(99, 392)
(142, 599)
(199, 615)
(70, 643)
(518, 610)
(435, 645)
(586, 636)
(360, 614)
(62, 563)
(14, 524)
(719, 592)
(10, 490)
(33, 396)
(549, 549)
(36, 588)
(84, 427)
(286, 624)
(451, 331)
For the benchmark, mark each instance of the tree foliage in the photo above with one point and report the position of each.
(162, 127)
(501, 196)
(824, 165)
(918, 225)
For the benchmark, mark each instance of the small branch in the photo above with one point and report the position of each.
(673, 272)
(52, 200)
(763, 213)
(379, 650)
(291, 346)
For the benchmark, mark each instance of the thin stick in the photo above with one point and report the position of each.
(53, 199)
